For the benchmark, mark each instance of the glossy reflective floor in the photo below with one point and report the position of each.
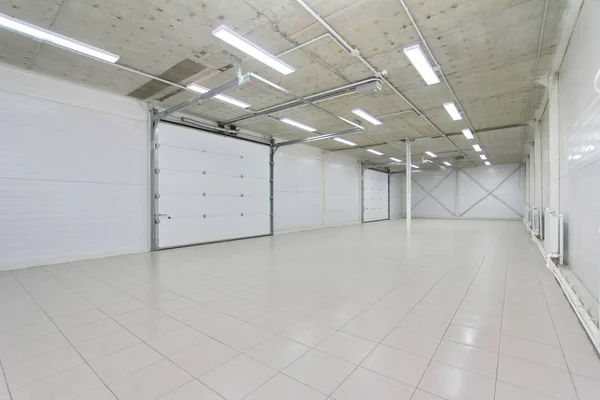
(456, 310)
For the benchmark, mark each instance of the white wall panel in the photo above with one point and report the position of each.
(397, 183)
(299, 181)
(375, 195)
(74, 172)
(465, 193)
(213, 187)
(343, 190)
(579, 122)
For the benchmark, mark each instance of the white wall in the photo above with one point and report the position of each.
(73, 172)
(454, 193)
(397, 183)
(315, 189)
(579, 122)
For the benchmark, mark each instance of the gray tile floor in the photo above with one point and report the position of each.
(456, 310)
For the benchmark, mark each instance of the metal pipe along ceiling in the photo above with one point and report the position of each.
(356, 53)
(314, 98)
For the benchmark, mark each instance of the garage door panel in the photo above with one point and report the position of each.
(375, 195)
(212, 187)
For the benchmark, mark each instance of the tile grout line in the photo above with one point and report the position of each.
(506, 269)
(5, 380)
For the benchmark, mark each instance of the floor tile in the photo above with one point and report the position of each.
(177, 340)
(364, 384)
(485, 339)
(138, 316)
(244, 336)
(193, 315)
(107, 344)
(248, 311)
(193, 390)
(412, 342)
(216, 324)
(13, 336)
(421, 395)
(466, 357)
(123, 362)
(397, 364)
(330, 319)
(92, 330)
(348, 347)
(276, 321)
(100, 393)
(587, 388)
(307, 333)
(368, 329)
(284, 387)
(505, 391)
(68, 384)
(82, 318)
(20, 373)
(320, 371)
(477, 320)
(150, 382)
(536, 377)
(583, 364)
(277, 352)
(527, 350)
(34, 347)
(155, 327)
(203, 357)
(453, 383)
(249, 374)
(428, 326)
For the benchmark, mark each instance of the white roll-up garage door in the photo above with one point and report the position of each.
(375, 196)
(210, 187)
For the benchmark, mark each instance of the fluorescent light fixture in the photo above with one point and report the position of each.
(375, 152)
(577, 157)
(477, 148)
(468, 134)
(352, 123)
(483, 156)
(395, 159)
(421, 63)
(349, 143)
(447, 163)
(487, 163)
(365, 115)
(298, 124)
(201, 89)
(243, 44)
(414, 166)
(430, 154)
(453, 111)
(35, 32)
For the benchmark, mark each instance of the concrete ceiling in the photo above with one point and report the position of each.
(486, 48)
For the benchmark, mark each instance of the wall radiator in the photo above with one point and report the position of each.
(536, 222)
(554, 234)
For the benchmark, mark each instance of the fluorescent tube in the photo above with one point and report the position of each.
(483, 156)
(351, 123)
(421, 63)
(447, 163)
(430, 154)
(487, 163)
(201, 89)
(453, 111)
(298, 124)
(243, 44)
(477, 148)
(375, 152)
(349, 143)
(365, 115)
(35, 32)
(395, 159)
(414, 166)
(468, 134)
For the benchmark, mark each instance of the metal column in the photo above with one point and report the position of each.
(537, 147)
(362, 192)
(272, 150)
(408, 186)
(554, 145)
(154, 196)
(389, 195)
